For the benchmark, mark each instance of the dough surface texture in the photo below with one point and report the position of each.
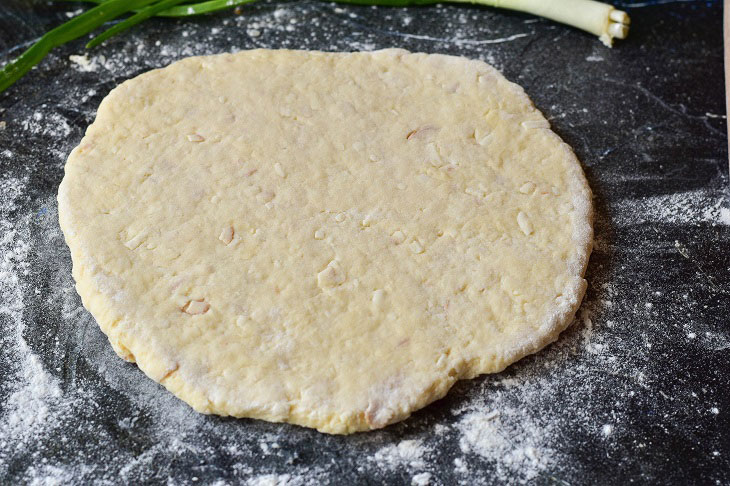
(325, 239)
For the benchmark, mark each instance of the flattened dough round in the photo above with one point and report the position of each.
(325, 239)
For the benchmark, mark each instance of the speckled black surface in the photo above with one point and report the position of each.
(647, 121)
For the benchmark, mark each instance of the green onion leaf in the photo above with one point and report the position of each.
(187, 10)
(596, 17)
(140, 16)
(73, 29)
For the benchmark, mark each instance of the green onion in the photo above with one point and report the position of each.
(201, 8)
(140, 16)
(73, 29)
(596, 17)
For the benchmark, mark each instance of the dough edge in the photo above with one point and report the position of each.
(162, 369)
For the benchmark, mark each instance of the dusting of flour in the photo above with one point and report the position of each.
(498, 430)
(73, 412)
(32, 398)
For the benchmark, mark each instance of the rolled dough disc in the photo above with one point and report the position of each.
(325, 239)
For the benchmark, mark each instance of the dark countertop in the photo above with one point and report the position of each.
(637, 390)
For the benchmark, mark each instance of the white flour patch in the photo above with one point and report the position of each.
(422, 479)
(716, 341)
(274, 480)
(50, 124)
(84, 64)
(74, 13)
(49, 475)
(32, 403)
(407, 453)
(28, 406)
(297, 477)
(692, 207)
(724, 216)
(516, 447)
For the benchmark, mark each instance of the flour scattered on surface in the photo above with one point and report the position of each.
(74, 13)
(84, 64)
(693, 207)
(273, 480)
(724, 217)
(517, 449)
(65, 392)
(406, 453)
(28, 406)
(422, 479)
(50, 124)
(32, 402)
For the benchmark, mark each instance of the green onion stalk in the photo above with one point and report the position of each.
(595, 17)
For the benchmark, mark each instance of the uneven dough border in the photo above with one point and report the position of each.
(97, 300)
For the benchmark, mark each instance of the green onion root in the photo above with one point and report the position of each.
(597, 18)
